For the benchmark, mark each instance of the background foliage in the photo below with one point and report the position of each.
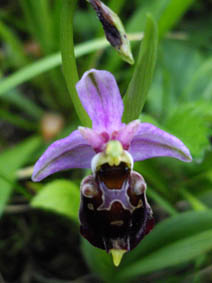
(39, 233)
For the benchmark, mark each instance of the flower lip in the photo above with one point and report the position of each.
(108, 221)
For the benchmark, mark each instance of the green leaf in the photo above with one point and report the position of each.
(188, 124)
(196, 204)
(142, 77)
(150, 171)
(16, 49)
(45, 64)
(161, 201)
(17, 120)
(99, 261)
(200, 82)
(11, 160)
(49, 62)
(39, 22)
(176, 253)
(60, 196)
(166, 12)
(171, 230)
(172, 77)
(23, 103)
(68, 58)
(174, 10)
(173, 241)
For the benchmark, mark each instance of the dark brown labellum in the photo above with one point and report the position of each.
(118, 216)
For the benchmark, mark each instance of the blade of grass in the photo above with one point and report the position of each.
(142, 77)
(9, 37)
(195, 202)
(38, 16)
(162, 202)
(116, 6)
(68, 58)
(16, 120)
(176, 253)
(44, 65)
(49, 62)
(23, 103)
(12, 159)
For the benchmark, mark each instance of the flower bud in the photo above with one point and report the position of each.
(114, 30)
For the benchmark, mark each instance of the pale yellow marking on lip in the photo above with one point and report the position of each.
(117, 256)
(140, 203)
(117, 222)
(90, 206)
(113, 154)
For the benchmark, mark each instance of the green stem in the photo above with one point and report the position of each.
(68, 58)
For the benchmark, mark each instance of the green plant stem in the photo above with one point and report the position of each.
(68, 58)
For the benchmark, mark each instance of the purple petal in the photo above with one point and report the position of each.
(100, 96)
(70, 152)
(151, 141)
(127, 133)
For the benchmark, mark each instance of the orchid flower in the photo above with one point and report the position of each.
(114, 212)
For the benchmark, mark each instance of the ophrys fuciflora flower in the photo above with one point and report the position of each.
(114, 212)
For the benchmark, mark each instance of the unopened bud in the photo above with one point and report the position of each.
(114, 30)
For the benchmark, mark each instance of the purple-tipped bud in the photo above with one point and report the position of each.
(114, 30)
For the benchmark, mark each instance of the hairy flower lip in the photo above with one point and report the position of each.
(115, 221)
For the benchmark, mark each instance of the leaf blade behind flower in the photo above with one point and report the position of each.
(176, 232)
(139, 85)
(10, 161)
(68, 59)
(177, 253)
(60, 196)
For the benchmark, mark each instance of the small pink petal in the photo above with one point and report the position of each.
(127, 133)
(94, 139)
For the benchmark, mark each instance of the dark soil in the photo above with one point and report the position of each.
(37, 246)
